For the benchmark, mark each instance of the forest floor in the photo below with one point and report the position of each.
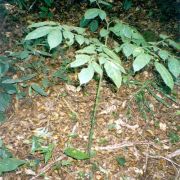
(145, 148)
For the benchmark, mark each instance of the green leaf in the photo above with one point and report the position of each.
(4, 67)
(18, 80)
(88, 50)
(117, 29)
(174, 44)
(163, 36)
(121, 161)
(174, 66)
(102, 60)
(137, 51)
(5, 100)
(84, 22)
(10, 164)
(81, 59)
(2, 117)
(97, 68)
(79, 30)
(112, 54)
(128, 49)
(45, 23)
(141, 61)
(91, 1)
(105, 3)
(39, 32)
(165, 75)
(94, 25)
(70, 36)
(102, 14)
(9, 88)
(80, 39)
(11, 81)
(127, 4)
(174, 137)
(76, 154)
(91, 13)
(24, 54)
(104, 32)
(113, 73)
(127, 31)
(163, 54)
(38, 89)
(54, 38)
(4, 152)
(86, 75)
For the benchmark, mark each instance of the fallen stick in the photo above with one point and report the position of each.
(173, 154)
(47, 167)
(121, 145)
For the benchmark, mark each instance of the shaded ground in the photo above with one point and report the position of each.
(145, 145)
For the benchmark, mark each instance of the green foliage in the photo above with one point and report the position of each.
(97, 57)
(174, 137)
(166, 76)
(37, 146)
(7, 162)
(10, 164)
(134, 45)
(121, 161)
(38, 89)
(127, 4)
(55, 33)
(76, 154)
(90, 19)
(6, 90)
(145, 106)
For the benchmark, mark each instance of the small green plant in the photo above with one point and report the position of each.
(121, 161)
(174, 137)
(95, 57)
(127, 4)
(6, 89)
(7, 161)
(37, 146)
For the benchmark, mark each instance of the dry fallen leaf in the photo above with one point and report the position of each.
(162, 126)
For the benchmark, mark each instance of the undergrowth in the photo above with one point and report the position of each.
(93, 56)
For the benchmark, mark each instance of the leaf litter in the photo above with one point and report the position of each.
(144, 145)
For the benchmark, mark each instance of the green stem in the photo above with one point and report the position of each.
(93, 117)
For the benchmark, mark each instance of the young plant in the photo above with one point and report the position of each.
(95, 57)
(37, 146)
(7, 161)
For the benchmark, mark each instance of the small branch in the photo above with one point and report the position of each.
(146, 163)
(167, 159)
(121, 145)
(173, 154)
(47, 167)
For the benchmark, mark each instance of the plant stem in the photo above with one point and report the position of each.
(93, 117)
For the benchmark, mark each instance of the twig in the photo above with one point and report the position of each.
(167, 159)
(47, 167)
(32, 5)
(121, 145)
(146, 163)
(173, 154)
